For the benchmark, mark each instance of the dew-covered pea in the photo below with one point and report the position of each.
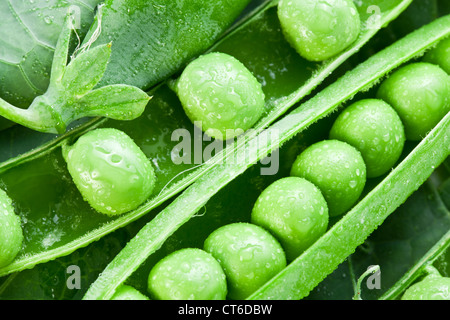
(187, 274)
(248, 254)
(420, 93)
(110, 171)
(125, 292)
(432, 287)
(11, 234)
(294, 211)
(220, 95)
(337, 169)
(319, 29)
(440, 55)
(375, 129)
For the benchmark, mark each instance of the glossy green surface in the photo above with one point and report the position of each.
(125, 292)
(54, 218)
(28, 44)
(248, 254)
(11, 235)
(440, 55)
(165, 35)
(153, 134)
(420, 93)
(319, 30)
(337, 169)
(433, 287)
(188, 274)
(220, 95)
(294, 211)
(111, 172)
(375, 129)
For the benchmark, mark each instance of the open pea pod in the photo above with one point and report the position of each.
(400, 249)
(322, 258)
(56, 219)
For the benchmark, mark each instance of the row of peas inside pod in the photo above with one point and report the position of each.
(114, 175)
(221, 95)
(327, 179)
(217, 92)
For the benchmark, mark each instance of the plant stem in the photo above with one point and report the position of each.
(18, 115)
(370, 270)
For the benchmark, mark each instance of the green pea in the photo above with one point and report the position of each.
(11, 234)
(249, 255)
(188, 274)
(125, 292)
(419, 92)
(319, 29)
(432, 287)
(440, 55)
(110, 170)
(294, 211)
(375, 129)
(337, 169)
(220, 95)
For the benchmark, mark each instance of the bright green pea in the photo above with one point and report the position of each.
(188, 274)
(420, 93)
(110, 170)
(440, 55)
(432, 287)
(219, 93)
(11, 234)
(294, 211)
(375, 129)
(125, 292)
(337, 169)
(319, 29)
(249, 255)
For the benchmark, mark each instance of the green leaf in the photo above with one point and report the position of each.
(85, 71)
(119, 102)
(163, 36)
(28, 43)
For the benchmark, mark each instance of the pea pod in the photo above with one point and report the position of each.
(283, 84)
(295, 281)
